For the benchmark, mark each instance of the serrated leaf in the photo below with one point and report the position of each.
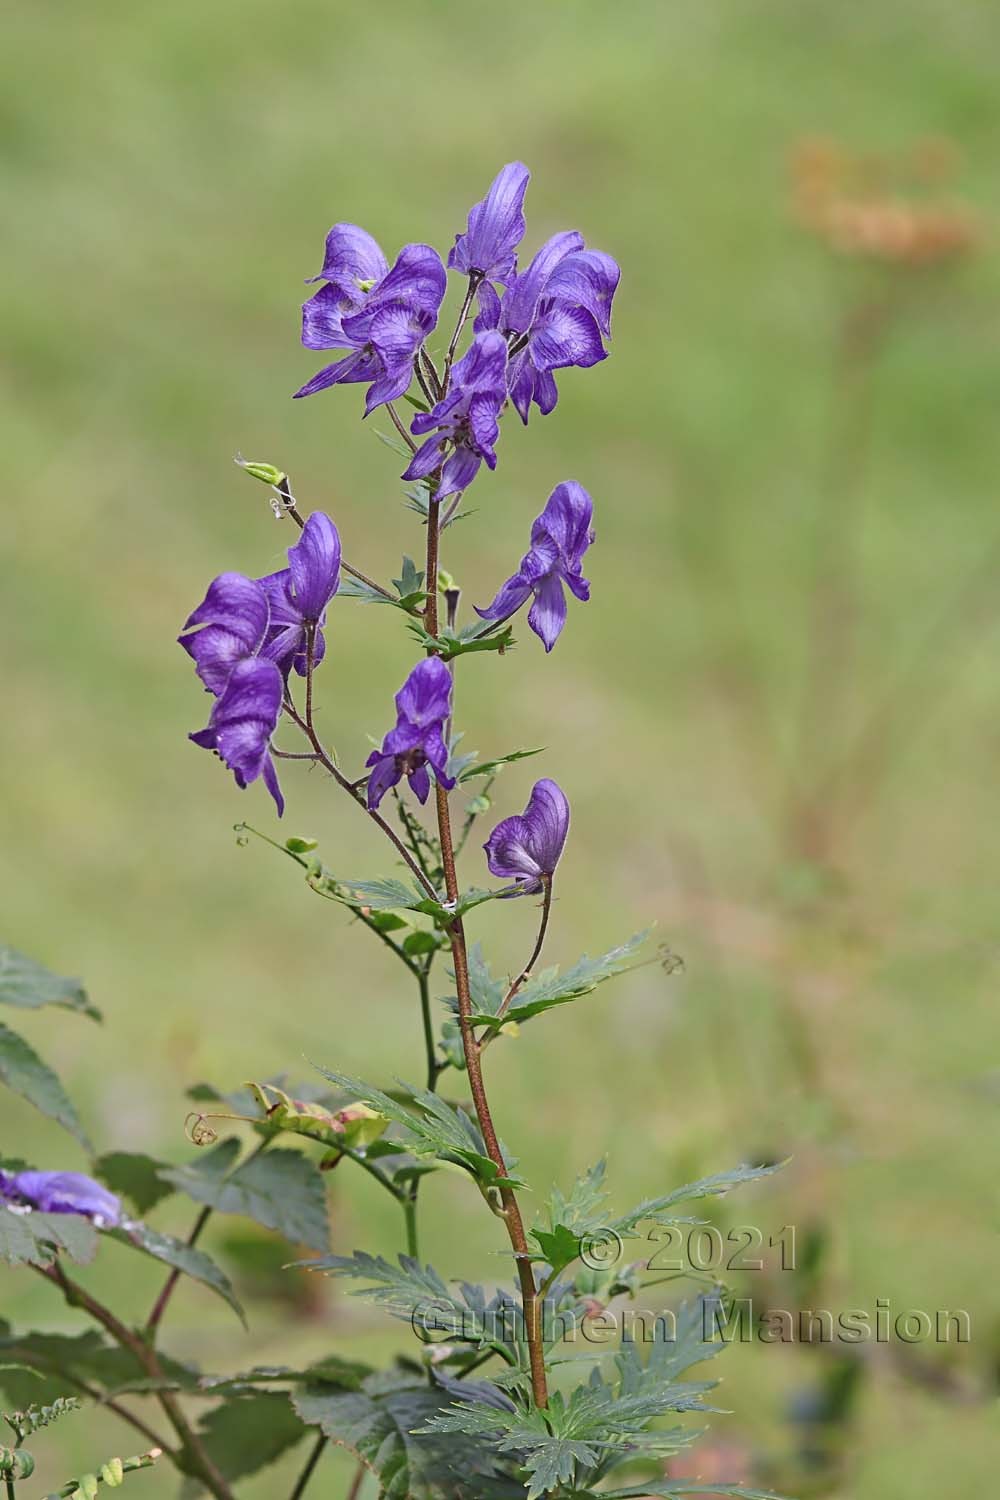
(491, 767)
(187, 1259)
(408, 584)
(332, 1371)
(22, 1070)
(281, 1190)
(378, 1426)
(716, 1186)
(682, 1487)
(134, 1175)
(32, 1238)
(434, 1127)
(27, 984)
(554, 988)
(247, 1433)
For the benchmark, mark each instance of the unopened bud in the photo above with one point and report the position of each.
(266, 473)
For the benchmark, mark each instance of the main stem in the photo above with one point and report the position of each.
(511, 1211)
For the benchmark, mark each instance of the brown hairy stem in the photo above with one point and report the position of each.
(511, 1211)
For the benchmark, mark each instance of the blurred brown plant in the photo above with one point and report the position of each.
(878, 206)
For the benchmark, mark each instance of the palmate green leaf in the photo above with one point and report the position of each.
(187, 1259)
(22, 1070)
(448, 644)
(554, 988)
(247, 1433)
(571, 1216)
(32, 1238)
(411, 1291)
(281, 1190)
(135, 1176)
(379, 1426)
(29, 985)
(652, 1210)
(434, 1128)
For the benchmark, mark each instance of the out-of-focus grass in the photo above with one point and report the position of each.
(168, 174)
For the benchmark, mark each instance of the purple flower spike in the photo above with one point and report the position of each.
(244, 717)
(559, 538)
(423, 706)
(381, 316)
(527, 847)
(488, 248)
(299, 594)
(233, 618)
(62, 1193)
(467, 418)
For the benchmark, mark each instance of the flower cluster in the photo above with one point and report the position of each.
(250, 634)
(247, 635)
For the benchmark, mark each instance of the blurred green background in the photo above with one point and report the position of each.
(778, 721)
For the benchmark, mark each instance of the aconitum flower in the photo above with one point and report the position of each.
(488, 248)
(527, 847)
(244, 717)
(559, 538)
(229, 625)
(62, 1193)
(554, 315)
(423, 707)
(298, 596)
(467, 419)
(381, 316)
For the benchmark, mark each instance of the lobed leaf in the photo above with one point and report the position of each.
(280, 1189)
(32, 1238)
(187, 1259)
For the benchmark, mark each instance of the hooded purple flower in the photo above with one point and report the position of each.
(241, 617)
(553, 314)
(62, 1193)
(527, 847)
(559, 538)
(244, 717)
(298, 596)
(381, 316)
(233, 619)
(423, 706)
(488, 248)
(467, 418)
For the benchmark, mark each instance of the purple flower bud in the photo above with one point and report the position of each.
(495, 228)
(244, 717)
(62, 1193)
(527, 847)
(423, 706)
(559, 538)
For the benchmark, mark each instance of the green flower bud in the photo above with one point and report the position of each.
(267, 473)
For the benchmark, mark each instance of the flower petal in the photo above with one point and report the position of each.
(352, 256)
(385, 774)
(509, 598)
(547, 819)
(234, 619)
(547, 615)
(520, 302)
(361, 365)
(564, 336)
(64, 1193)
(495, 227)
(425, 697)
(322, 319)
(420, 783)
(425, 460)
(459, 470)
(566, 518)
(314, 566)
(587, 279)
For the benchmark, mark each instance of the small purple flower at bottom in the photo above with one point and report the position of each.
(244, 717)
(62, 1193)
(559, 538)
(467, 418)
(527, 847)
(423, 707)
